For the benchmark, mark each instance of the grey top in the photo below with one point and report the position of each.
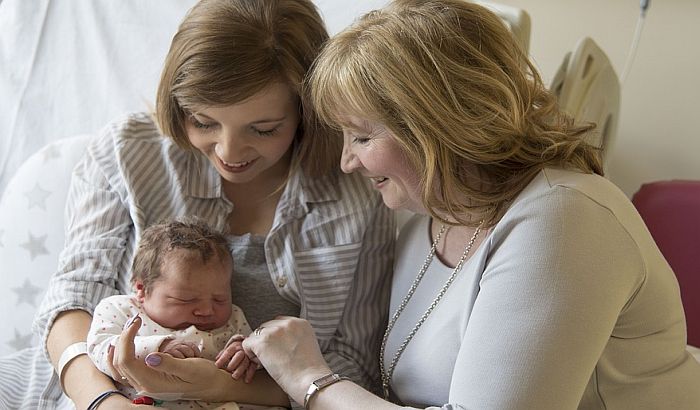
(252, 287)
(567, 304)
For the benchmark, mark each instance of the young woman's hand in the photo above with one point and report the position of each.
(198, 378)
(287, 348)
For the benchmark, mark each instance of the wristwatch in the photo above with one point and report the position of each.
(319, 384)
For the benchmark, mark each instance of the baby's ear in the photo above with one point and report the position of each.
(140, 291)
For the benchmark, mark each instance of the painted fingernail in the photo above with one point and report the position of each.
(130, 321)
(152, 360)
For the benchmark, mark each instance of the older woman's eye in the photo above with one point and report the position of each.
(360, 140)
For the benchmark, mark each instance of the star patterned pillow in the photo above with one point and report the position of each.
(31, 235)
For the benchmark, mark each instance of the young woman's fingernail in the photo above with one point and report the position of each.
(152, 359)
(131, 321)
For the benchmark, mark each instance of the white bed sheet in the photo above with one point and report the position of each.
(68, 67)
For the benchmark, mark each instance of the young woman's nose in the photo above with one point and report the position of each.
(230, 146)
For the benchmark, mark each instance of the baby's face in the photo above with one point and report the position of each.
(190, 292)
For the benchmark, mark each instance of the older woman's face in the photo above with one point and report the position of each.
(372, 150)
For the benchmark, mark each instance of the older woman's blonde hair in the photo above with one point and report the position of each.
(225, 51)
(448, 79)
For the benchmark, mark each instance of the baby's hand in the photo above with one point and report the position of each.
(233, 359)
(180, 350)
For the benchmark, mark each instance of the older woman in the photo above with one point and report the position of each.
(527, 280)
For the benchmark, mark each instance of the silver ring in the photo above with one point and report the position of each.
(123, 377)
(258, 331)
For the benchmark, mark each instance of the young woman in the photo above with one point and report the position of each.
(527, 280)
(233, 144)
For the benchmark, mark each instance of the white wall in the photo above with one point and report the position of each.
(658, 135)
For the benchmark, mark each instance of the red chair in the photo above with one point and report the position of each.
(671, 211)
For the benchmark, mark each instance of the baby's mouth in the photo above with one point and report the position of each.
(205, 326)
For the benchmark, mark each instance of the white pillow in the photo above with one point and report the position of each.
(31, 235)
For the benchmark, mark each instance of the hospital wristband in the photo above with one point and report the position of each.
(71, 352)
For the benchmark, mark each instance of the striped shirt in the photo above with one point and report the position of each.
(330, 247)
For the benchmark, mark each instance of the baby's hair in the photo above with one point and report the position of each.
(158, 240)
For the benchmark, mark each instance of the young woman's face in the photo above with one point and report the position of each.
(189, 293)
(372, 150)
(249, 141)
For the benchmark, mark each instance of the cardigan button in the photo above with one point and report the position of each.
(282, 281)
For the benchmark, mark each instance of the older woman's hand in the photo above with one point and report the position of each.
(191, 378)
(287, 348)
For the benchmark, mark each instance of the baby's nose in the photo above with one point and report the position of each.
(204, 309)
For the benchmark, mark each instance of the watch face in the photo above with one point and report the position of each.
(323, 381)
(319, 384)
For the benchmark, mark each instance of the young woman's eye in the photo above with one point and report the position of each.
(265, 133)
(200, 125)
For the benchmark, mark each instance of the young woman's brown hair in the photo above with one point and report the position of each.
(226, 51)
